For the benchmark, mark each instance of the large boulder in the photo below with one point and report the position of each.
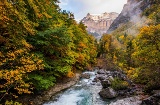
(152, 100)
(127, 101)
(108, 93)
(85, 75)
(101, 71)
(105, 83)
(101, 77)
(95, 80)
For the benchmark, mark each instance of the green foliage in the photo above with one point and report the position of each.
(147, 56)
(38, 43)
(41, 82)
(138, 55)
(118, 84)
(153, 13)
(12, 103)
(147, 52)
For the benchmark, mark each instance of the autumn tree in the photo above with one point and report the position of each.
(147, 56)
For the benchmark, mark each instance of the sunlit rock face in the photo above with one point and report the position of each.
(99, 23)
(131, 12)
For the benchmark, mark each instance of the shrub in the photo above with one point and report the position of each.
(118, 84)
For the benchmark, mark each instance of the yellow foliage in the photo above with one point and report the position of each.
(48, 16)
(82, 45)
(70, 74)
(15, 76)
(81, 58)
(121, 37)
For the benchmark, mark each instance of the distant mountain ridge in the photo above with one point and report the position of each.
(99, 23)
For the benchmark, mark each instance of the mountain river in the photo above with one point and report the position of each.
(85, 92)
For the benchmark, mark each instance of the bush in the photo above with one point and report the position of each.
(12, 103)
(118, 84)
(42, 82)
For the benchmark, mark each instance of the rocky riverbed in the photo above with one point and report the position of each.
(133, 94)
(94, 88)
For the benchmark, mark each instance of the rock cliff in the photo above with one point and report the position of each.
(99, 23)
(131, 12)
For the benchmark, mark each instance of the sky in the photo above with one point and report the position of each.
(80, 8)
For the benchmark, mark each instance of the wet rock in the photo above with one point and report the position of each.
(108, 93)
(95, 80)
(101, 71)
(98, 84)
(151, 101)
(108, 72)
(122, 93)
(118, 74)
(93, 83)
(156, 93)
(105, 83)
(128, 101)
(85, 75)
(101, 77)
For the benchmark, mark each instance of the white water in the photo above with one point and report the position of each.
(83, 93)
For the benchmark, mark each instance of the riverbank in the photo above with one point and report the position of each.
(46, 95)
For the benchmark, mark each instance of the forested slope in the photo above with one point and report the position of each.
(38, 44)
(137, 54)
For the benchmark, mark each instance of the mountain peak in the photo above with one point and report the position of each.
(99, 23)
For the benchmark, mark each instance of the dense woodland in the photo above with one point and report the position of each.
(137, 55)
(39, 43)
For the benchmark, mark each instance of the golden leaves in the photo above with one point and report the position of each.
(15, 76)
(70, 74)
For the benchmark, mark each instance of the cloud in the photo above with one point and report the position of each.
(81, 7)
(63, 2)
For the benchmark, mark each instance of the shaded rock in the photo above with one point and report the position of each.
(85, 75)
(128, 101)
(108, 72)
(101, 77)
(125, 93)
(150, 101)
(157, 95)
(105, 83)
(98, 84)
(155, 91)
(101, 71)
(122, 93)
(120, 75)
(95, 80)
(108, 93)
(93, 83)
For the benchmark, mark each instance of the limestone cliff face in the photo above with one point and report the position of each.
(99, 23)
(131, 13)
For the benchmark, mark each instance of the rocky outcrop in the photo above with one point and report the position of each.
(108, 93)
(85, 75)
(128, 101)
(105, 83)
(105, 78)
(152, 100)
(131, 13)
(99, 23)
